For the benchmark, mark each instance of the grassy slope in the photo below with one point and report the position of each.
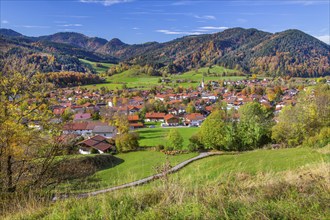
(280, 185)
(215, 169)
(133, 166)
(134, 80)
(157, 136)
(101, 69)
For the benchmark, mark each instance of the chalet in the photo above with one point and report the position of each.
(194, 119)
(173, 102)
(155, 117)
(98, 144)
(136, 101)
(105, 131)
(82, 128)
(58, 111)
(134, 122)
(209, 109)
(78, 108)
(82, 116)
(161, 97)
(133, 118)
(133, 109)
(171, 120)
(79, 128)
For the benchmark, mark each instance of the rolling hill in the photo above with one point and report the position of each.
(291, 52)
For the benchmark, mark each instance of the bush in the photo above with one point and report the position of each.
(319, 140)
(159, 147)
(195, 143)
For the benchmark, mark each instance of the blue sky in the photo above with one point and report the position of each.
(139, 21)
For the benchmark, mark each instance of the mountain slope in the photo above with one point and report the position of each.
(9, 33)
(76, 40)
(290, 52)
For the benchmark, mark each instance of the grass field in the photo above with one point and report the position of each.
(130, 167)
(98, 66)
(157, 136)
(220, 168)
(132, 79)
(261, 184)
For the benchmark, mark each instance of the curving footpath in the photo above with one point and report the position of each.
(141, 181)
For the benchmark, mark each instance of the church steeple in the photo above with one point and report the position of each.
(202, 83)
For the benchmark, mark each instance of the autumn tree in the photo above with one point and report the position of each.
(174, 139)
(26, 153)
(191, 108)
(121, 122)
(254, 126)
(214, 131)
(127, 142)
(310, 115)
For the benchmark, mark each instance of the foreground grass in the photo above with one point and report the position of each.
(216, 170)
(128, 168)
(157, 136)
(273, 187)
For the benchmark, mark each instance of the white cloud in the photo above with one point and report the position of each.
(206, 17)
(4, 22)
(106, 2)
(136, 28)
(179, 32)
(213, 28)
(70, 25)
(324, 38)
(66, 29)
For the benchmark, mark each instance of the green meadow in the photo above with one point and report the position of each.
(261, 184)
(127, 167)
(99, 67)
(157, 136)
(134, 80)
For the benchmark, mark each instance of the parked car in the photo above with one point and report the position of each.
(152, 126)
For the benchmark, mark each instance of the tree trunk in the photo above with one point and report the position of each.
(10, 187)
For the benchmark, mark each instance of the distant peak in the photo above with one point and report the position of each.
(9, 32)
(116, 41)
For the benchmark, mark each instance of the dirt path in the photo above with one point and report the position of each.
(141, 181)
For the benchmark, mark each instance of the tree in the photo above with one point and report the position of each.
(175, 140)
(254, 125)
(67, 114)
(96, 115)
(121, 122)
(195, 142)
(26, 153)
(305, 119)
(214, 131)
(290, 129)
(127, 142)
(191, 108)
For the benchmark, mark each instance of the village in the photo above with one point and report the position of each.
(87, 115)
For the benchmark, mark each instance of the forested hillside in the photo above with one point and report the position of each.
(290, 52)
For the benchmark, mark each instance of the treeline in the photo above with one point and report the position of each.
(44, 63)
(307, 123)
(64, 79)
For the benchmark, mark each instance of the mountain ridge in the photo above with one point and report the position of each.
(290, 52)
